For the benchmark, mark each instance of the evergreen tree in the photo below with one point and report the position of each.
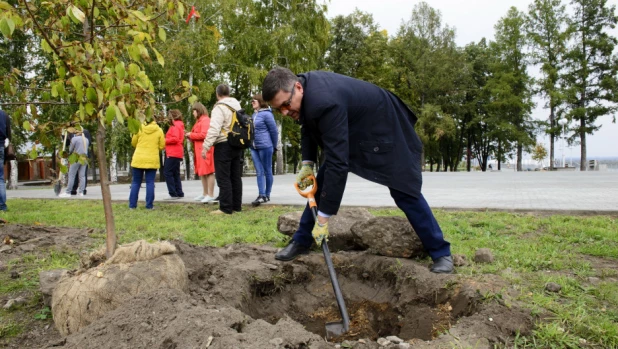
(547, 35)
(591, 68)
(510, 84)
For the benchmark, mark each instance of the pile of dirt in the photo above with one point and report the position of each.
(241, 297)
(171, 319)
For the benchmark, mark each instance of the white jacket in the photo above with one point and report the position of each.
(220, 121)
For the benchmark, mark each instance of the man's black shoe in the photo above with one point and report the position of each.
(260, 199)
(291, 251)
(443, 265)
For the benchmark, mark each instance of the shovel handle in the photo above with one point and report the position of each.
(310, 195)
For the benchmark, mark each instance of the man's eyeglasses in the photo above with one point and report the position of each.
(286, 105)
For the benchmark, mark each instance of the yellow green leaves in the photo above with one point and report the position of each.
(76, 14)
(27, 126)
(134, 125)
(120, 71)
(192, 99)
(133, 69)
(110, 114)
(91, 95)
(140, 16)
(7, 26)
(162, 34)
(159, 57)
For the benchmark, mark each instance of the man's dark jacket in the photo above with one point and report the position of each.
(362, 129)
(5, 127)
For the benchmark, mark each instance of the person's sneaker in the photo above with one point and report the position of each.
(443, 265)
(267, 198)
(199, 198)
(207, 199)
(260, 199)
(80, 194)
(172, 198)
(64, 195)
(218, 212)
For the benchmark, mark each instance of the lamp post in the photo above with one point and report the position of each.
(563, 123)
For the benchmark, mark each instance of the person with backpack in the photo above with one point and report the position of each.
(174, 153)
(262, 147)
(228, 168)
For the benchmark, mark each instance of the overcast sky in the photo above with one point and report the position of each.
(472, 21)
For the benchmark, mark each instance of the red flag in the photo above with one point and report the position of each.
(193, 13)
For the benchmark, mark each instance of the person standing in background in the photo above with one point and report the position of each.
(5, 139)
(262, 147)
(148, 142)
(76, 179)
(79, 146)
(204, 166)
(174, 153)
(228, 170)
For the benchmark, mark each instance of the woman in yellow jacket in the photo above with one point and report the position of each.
(148, 142)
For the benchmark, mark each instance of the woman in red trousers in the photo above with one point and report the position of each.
(204, 168)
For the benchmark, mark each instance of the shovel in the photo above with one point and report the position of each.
(58, 184)
(333, 329)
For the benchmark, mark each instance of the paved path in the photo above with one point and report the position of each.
(571, 191)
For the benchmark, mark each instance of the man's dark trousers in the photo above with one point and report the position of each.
(228, 172)
(416, 209)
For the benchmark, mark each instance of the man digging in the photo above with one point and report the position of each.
(362, 129)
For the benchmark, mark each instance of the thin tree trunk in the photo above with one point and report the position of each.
(552, 137)
(14, 175)
(583, 166)
(191, 168)
(279, 169)
(113, 163)
(469, 153)
(519, 155)
(110, 225)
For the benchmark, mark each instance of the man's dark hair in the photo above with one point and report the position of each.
(223, 90)
(278, 79)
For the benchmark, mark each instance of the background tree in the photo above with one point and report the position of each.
(591, 68)
(539, 153)
(548, 35)
(510, 84)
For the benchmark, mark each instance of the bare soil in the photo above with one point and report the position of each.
(241, 297)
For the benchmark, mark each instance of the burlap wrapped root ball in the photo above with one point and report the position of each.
(138, 267)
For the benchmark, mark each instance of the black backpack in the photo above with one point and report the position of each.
(241, 129)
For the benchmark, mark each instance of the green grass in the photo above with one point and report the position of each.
(534, 249)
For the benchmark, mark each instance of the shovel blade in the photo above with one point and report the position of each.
(335, 329)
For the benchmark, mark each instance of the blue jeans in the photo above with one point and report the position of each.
(138, 175)
(262, 160)
(2, 184)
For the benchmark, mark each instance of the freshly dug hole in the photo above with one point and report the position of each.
(384, 297)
